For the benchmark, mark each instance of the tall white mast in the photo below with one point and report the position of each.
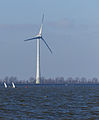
(38, 62)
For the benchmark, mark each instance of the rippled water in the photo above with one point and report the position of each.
(71, 102)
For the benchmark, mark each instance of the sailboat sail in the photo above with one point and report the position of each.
(13, 85)
(5, 85)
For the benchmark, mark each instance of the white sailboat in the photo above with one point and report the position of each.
(13, 85)
(5, 85)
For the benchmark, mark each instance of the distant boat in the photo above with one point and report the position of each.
(13, 85)
(5, 85)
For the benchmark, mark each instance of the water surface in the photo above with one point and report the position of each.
(49, 102)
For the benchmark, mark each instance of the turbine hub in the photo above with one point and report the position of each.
(38, 36)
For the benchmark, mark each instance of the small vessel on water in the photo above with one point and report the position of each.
(5, 85)
(13, 85)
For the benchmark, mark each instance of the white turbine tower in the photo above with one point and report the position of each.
(39, 37)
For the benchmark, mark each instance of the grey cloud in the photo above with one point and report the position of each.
(16, 26)
(64, 24)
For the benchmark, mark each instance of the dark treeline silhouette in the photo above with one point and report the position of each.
(57, 80)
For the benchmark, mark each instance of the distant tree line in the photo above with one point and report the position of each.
(57, 80)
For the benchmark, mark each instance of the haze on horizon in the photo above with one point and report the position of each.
(71, 28)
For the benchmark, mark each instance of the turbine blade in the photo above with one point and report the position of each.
(30, 39)
(42, 18)
(41, 25)
(46, 45)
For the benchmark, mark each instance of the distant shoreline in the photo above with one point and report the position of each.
(67, 84)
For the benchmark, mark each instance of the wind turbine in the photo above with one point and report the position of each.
(39, 37)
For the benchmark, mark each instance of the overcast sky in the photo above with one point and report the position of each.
(71, 28)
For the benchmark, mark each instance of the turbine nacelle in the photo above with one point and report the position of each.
(39, 36)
